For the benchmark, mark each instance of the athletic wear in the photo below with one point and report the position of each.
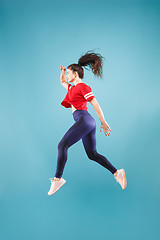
(78, 96)
(84, 128)
(56, 185)
(121, 178)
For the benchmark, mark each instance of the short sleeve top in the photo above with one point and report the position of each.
(78, 96)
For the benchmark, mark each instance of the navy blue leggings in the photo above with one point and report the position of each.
(84, 128)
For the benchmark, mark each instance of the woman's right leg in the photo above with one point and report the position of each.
(89, 143)
(73, 135)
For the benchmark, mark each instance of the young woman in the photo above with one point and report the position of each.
(85, 126)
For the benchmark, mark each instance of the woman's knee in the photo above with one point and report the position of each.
(92, 154)
(63, 144)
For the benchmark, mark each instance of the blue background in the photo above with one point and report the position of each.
(36, 37)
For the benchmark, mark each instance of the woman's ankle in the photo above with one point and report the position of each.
(57, 179)
(115, 174)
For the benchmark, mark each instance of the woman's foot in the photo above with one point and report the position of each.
(120, 177)
(56, 184)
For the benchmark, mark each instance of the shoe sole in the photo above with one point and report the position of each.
(125, 180)
(57, 189)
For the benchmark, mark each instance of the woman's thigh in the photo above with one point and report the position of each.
(78, 130)
(89, 141)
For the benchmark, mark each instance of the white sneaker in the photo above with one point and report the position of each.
(56, 184)
(121, 178)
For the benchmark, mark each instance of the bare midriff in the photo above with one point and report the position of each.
(73, 109)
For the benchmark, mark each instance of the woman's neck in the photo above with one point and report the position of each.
(78, 81)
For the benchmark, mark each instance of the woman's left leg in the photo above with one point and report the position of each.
(80, 128)
(89, 143)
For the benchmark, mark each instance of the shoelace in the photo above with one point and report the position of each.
(53, 179)
(117, 176)
(120, 174)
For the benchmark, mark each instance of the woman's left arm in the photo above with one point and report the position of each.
(104, 124)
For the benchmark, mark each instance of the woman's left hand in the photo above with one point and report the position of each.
(105, 127)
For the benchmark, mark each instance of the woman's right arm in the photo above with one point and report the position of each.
(63, 77)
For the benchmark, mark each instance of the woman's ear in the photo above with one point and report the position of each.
(76, 74)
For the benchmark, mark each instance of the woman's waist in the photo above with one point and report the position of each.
(80, 113)
(73, 109)
(82, 107)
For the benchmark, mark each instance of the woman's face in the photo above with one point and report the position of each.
(70, 75)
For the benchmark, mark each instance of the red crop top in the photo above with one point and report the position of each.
(78, 96)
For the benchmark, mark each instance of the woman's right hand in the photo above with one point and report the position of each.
(105, 127)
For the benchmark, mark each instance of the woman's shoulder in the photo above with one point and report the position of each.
(83, 85)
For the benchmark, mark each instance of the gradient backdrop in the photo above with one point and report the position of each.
(36, 37)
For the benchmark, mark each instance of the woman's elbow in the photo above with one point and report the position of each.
(93, 101)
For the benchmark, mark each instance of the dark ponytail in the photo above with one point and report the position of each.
(91, 59)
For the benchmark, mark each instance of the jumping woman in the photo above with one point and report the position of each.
(85, 126)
